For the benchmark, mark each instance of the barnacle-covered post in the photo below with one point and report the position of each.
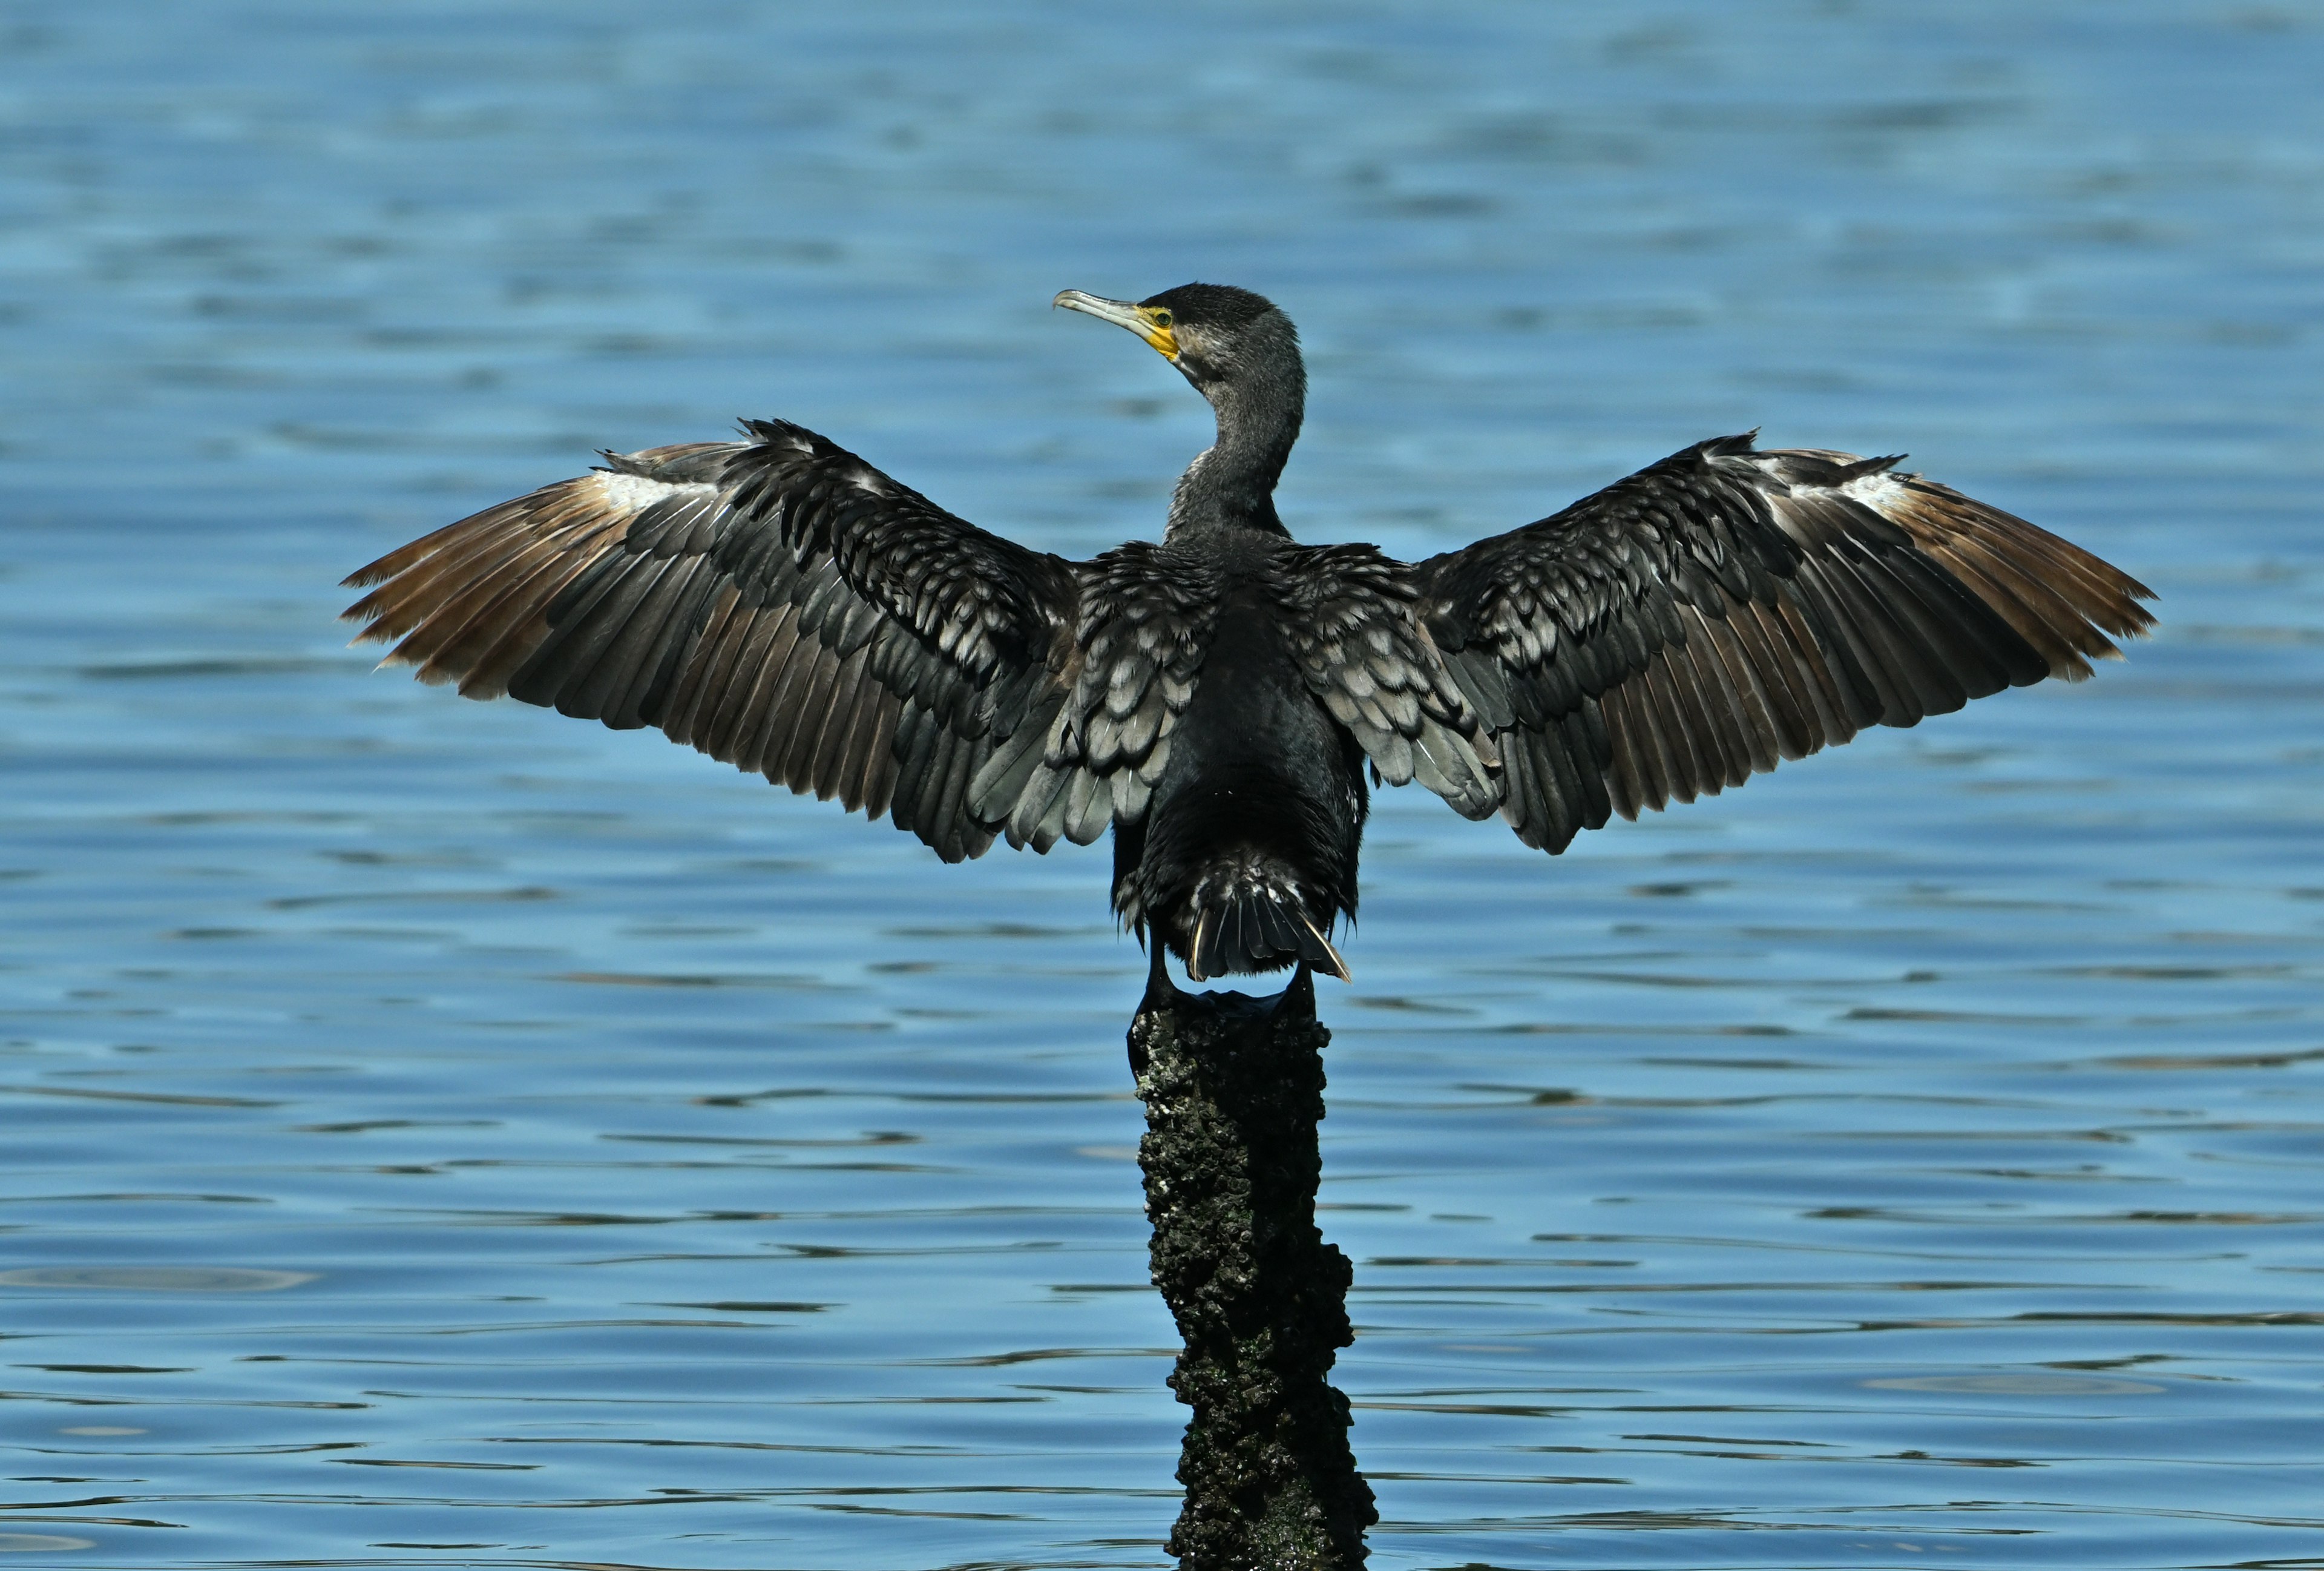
(1234, 1087)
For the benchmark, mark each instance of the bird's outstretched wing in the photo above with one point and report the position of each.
(1726, 608)
(776, 603)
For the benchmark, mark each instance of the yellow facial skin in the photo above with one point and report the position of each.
(1152, 324)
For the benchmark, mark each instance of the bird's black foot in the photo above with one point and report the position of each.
(1298, 999)
(1161, 992)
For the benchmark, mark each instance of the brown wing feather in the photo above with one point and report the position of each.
(1726, 608)
(775, 603)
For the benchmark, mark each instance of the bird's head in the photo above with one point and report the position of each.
(1219, 336)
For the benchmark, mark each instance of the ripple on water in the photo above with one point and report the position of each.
(152, 1279)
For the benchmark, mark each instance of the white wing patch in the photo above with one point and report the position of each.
(633, 494)
(1874, 490)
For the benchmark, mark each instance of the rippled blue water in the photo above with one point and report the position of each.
(439, 1133)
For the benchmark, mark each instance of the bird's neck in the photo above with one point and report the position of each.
(1231, 485)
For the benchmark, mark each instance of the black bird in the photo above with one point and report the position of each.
(1215, 700)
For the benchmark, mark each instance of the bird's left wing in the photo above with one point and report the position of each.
(1725, 609)
(777, 604)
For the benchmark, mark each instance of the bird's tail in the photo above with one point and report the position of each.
(1249, 917)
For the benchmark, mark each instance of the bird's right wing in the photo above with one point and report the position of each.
(777, 604)
(1726, 608)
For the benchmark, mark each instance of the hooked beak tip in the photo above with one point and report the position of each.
(1121, 313)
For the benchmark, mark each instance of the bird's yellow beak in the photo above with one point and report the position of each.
(1152, 325)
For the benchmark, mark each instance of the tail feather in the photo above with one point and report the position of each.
(1253, 929)
(1316, 949)
(1276, 929)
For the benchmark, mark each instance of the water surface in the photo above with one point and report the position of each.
(440, 1133)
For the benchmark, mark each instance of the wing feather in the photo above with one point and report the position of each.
(1349, 612)
(1147, 612)
(1760, 653)
(620, 636)
(1728, 608)
(712, 665)
(1737, 703)
(917, 735)
(1630, 777)
(804, 705)
(880, 763)
(774, 601)
(468, 640)
(766, 725)
(870, 723)
(1704, 769)
(746, 709)
(846, 718)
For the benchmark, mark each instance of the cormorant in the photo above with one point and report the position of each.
(1215, 700)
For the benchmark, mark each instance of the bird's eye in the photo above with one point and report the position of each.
(1162, 318)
